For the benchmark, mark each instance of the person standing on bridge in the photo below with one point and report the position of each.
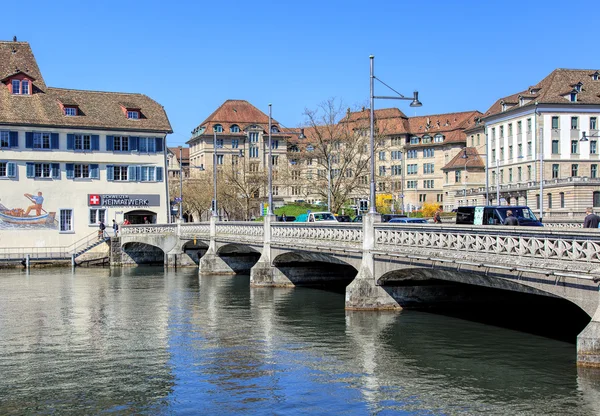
(510, 219)
(591, 220)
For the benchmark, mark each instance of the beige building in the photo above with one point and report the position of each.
(536, 145)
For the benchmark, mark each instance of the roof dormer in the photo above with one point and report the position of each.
(131, 111)
(595, 76)
(577, 87)
(19, 83)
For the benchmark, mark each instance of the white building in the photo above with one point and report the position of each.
(536, 144)
(71, 158)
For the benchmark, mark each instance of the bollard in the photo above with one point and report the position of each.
(27, 258)
(73, 264)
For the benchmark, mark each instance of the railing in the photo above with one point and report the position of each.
(149, 229)
(53, 253)
(307, 233)
(539, 243)
(240, 228)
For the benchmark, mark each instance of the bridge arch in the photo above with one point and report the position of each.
(313, 268)
(138, 253)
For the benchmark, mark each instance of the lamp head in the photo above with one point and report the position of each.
(464, 155)
(415, 101)
(583, 137)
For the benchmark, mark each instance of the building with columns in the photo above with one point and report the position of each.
(536, 145)
(72, 158)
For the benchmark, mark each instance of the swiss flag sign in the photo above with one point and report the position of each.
(94, 199)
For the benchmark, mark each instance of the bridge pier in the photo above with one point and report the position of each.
(211, 263)
(364, 293)
(588, 343)
(263, 273)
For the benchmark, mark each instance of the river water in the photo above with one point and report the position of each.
(149, 341)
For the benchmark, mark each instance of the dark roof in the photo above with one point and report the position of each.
(554, 88)
(102, 110)
(185, 153)
(473, 160)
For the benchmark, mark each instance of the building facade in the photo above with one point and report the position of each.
(537, 146)
(70, 158)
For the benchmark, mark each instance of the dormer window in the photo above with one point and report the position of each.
(573, 97)
(218, 128)
(274, 129)
(578, 86)
(426, 139)
(596, 76)
(71, 111)
(438, 138)
(521, 101)
(504, 106)
(414, 140)
(235, 128)
(20, 87)
(133, 114)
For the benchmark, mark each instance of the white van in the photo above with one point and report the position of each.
(323, 216)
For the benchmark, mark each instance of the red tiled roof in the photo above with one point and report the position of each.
(473, 160)
(239, 112)
(185, 153)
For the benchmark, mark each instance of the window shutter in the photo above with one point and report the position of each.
(29, 140)
(11, 169)
(95, 142)
(70, 170)
(159, 174)
(30, 170)
(159, 144)
(70, 141)
(56, 171)
(53, 140)
(131, 173)
(133, 143)
(94, 171)
(110, 144)
(110, 173)
(14, 139)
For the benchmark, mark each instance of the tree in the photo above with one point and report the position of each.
(240, 187)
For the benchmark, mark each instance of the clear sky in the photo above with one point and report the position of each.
(192, 56)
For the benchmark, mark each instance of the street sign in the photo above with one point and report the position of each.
(265, 209)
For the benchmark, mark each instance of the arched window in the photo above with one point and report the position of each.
(234, 128)
(274, 129)
(218, 128)
(596, 199)
(438, 138)
(414, 140)
(426, 139)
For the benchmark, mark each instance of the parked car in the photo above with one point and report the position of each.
(343, 218)
(358, 218)
(323, 216)
(495, 215)
(383, 217)
(408, 221)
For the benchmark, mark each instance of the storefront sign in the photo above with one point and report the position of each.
(120, 200)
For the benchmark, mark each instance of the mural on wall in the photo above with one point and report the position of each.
(33, 216)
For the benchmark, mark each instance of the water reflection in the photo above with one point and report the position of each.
(146, 340)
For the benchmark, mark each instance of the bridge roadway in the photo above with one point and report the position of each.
(390, 266)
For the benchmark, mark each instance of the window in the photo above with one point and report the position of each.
(594, 171)
(510, 175)
(510, 152)
(510, 129)
(549, 200)
(82, 142)
(502, 153)
(593, 147)
(220, 159)
(234, 128)
(528, 172)
(529, 148)
(97, 215)
(519, 174)
(574, 169)
(253, 151)
(573, 97)
(381, 155)
(253, 137)
(555, 147)
(41, 140)
(520, 150)
(119, 173)
(593, 123)
(396, 155)
(426, 139)
(382, 170)
(275, 160)
(447, 177)
(555, 168)
(528, 125)
(411, 184)
(574, 146)
(396, 170)
(428, 184)
(478, 140)
(562, 199)
(493, 154)
(428, 152)
(42, 170)
(574, 123)
(519, 127)
(411, 169)
(218, 128)
(494, 135)
(411, 154)
(220, 143)
(66, 220)
(501, 131)
(253, 167)
(414, 140)
(133, 114)
(70, 111)
(457, 176)
(381, 186)
(422, 197)
(121, 143)
(438, 138)
(235, 143)
(8, 169)
(555, 124)
(274, 129)
(16, 86)
(428, 167)
(295, 175)
(81, 171)
(4, 139)
(147, 145)
(596, 198)
(274, 144)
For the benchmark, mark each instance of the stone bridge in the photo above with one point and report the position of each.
(391, 266)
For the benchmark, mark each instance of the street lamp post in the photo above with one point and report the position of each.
(180, 183)
(466, 158)
(541, 141)
(329, 182)
(270, 190)
(498, 182)
(215, 212)
(415, 103)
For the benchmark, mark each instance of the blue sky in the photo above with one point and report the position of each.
(192, 56)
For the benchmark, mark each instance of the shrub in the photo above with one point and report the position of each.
(429, 209)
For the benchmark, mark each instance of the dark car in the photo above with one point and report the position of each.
(408, 221)
(389, 217)
(358, 218)
(343, 218)
(286, 218)
(495, 215)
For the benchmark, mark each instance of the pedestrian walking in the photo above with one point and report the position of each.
(591, 220)
(437, 217)
(101, 228)
(115, 228)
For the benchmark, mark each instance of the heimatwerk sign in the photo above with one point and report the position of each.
(111, 200)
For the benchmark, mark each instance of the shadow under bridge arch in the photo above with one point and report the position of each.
(239, 257)
(315, 269)
(138, 253)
